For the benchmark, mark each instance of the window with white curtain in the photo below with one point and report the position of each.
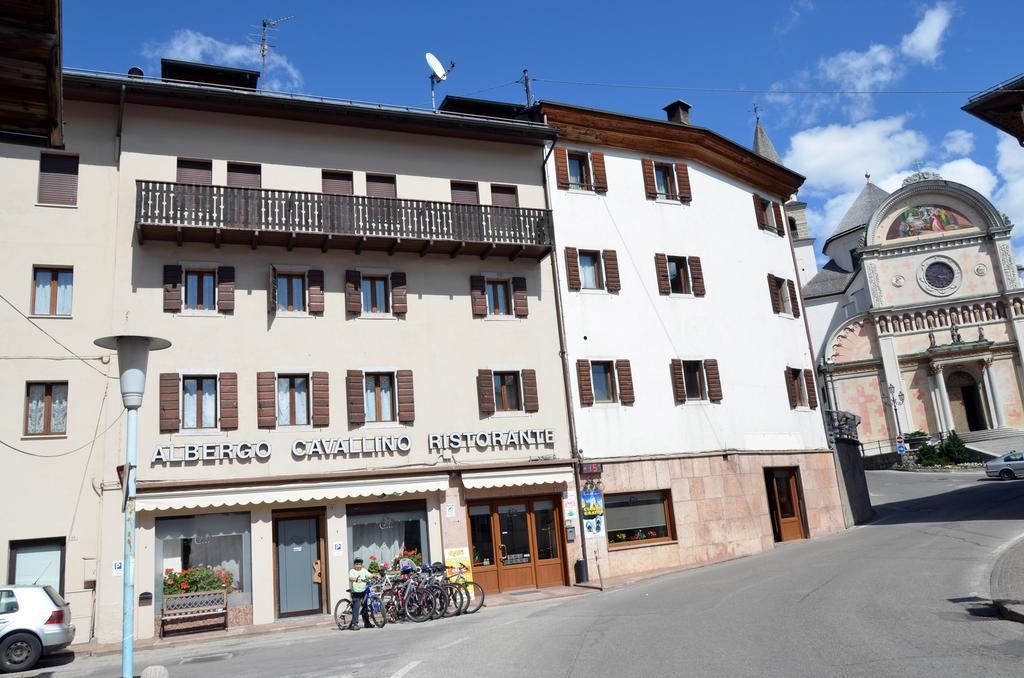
(46, 408)
(292, 399)
(51, 292)
(220, 540)
(379, 397)
(199, 402)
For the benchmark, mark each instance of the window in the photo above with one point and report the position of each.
(38, 561)
(200, 289)
(579, 171)
(504, 196)
(8, 603)
(603, 380)
(241, 175)
(465, 192)
(506, 392)
(379, 397)
(375, 294)
(51, 293)
(218, 540)
(387, 531)
(679, 275)
(481, 535)
(381, 186)
(336, 183)
(591, 277)
(638, 517)
(195, 172)
(291, 292)
(694, 380)
(293, 400)
(46, 408)
(199, 402)
(785, 302)
(665, 181)
(798, 386)
(499, 297)
(58, 179)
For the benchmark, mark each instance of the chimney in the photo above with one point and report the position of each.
(678, 111)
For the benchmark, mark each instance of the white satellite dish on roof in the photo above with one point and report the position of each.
(438, 73)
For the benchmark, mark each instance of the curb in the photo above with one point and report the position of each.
(1006, 601)
(1013, 610)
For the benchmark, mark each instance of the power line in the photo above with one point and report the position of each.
(56, 340)
(756, 90)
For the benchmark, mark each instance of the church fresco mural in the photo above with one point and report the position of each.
(925, 220)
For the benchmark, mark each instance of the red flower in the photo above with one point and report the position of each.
(373, 557)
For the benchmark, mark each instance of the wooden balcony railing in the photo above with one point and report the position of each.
(266, 211)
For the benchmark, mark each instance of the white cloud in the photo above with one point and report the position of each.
(1010, 196)
(873, 69)
(834, 158)
(969, 173)
(958, 142)
(189, 45)
(924, 42)
(822, 223)
(796, 9)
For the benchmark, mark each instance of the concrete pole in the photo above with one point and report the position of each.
(128, 610)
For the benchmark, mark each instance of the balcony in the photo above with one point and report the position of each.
(263, 217)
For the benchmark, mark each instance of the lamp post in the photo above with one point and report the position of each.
(895, 401)
(132, 357)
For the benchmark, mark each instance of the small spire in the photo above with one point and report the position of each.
(867, 175)
(763, 145)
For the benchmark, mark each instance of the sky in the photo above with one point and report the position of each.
(635, 59)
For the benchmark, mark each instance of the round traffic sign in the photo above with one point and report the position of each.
(899, 440)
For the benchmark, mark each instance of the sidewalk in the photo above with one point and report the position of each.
(1007, 582)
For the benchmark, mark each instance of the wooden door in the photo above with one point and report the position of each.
(514, 543)
(784, 493)
(481, 544)
(299, 565)
(547, 542)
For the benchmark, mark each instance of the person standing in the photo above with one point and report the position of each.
(358, 578)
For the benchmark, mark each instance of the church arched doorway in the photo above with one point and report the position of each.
(966, 403)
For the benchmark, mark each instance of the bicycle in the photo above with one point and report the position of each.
(374, 606)
(472, 593)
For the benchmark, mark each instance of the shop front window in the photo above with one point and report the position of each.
(384, 536)
(637, 517)
(482, 538)
(547, 529)
(217, 540)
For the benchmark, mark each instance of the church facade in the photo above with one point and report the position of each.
(918, 316)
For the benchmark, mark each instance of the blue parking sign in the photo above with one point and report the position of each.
(901, 449)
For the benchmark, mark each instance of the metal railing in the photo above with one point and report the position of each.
(161, 203)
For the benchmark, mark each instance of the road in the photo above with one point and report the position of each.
(903, 596)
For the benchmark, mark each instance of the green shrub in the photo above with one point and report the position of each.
(196, 579)
(954, 449)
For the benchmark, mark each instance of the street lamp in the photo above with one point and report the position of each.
(895, 401)
(132, 356)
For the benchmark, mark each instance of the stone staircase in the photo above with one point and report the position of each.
(994, 442)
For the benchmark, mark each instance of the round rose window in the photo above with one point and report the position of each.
(939, 275)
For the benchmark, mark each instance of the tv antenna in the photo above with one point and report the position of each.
(438, 74)
(266, 26)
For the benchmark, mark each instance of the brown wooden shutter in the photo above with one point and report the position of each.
(226, 289)
(520, 302)
(336, 183)
(243, 175)
(195, 172)
(650, 185)
(625, 377)
(562, 168)
(794, 300)
(465, 193)
(812, 393)
(714, 380)
(759, 214)
(600, 176)
(611, 271)
(272, 291)
(485, 391)
(504, 196)
(661, 270)
(227, 389)
(585, 382)
(696, 277)
(773, 291)
(355, 397)
(530, 401)
(381, 186)
(780, 224)
(478, 295)
(791, 388)
(321, 400)
(58, 179)
(406, 402)
(678, 382)
(266, 400)
(170, 408)
(172, 288)
(572, 268)
(315, 282)
(353, 292)
(399, 298)
(683, 182)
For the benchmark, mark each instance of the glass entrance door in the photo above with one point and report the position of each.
(515, 560)
(517, 545)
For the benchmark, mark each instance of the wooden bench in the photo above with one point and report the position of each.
(203, 604)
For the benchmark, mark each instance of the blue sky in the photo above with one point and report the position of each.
(374, 52)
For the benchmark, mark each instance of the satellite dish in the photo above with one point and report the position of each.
(439, 74)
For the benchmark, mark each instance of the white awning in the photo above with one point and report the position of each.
(295, 492)
(516, 477)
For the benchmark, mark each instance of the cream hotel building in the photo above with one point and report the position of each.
(367, 354)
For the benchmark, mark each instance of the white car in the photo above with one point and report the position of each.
(34, 621)
(1006, 467)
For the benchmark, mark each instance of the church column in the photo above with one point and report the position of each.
(891, 368)
(947, 411)
(936, 398)
(990, 389)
